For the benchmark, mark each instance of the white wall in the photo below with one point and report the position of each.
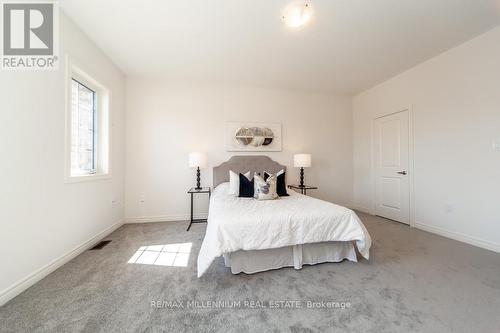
(166, 121)
(41, 217)
(456, 117)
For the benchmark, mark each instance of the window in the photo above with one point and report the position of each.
(87, 138)
(83, 129)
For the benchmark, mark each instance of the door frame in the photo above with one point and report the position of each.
(411, 160)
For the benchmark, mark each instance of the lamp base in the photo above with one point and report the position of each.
(301, 177)
(198, 186)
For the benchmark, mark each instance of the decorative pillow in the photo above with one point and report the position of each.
(265, 189)
(246, 187)
(234, 182)
(280, 182)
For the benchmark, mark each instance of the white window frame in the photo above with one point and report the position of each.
(103, 121)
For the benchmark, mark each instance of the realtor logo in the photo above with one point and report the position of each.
(29, 37)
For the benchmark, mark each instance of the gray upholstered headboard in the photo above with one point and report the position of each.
(242, 164)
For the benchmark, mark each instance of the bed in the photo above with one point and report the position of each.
(255, 236)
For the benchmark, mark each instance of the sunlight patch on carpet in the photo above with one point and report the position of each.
(176, 255)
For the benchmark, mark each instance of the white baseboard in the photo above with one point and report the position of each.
(459, 237)
(163, 218)
(362, 209)
(39, 274)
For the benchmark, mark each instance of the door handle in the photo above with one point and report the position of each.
(402, 173)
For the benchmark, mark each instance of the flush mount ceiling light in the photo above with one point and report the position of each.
(297, 15)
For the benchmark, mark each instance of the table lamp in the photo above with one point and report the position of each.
(199, 161)
(302, 161)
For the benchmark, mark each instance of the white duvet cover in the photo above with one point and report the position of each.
(248, 224)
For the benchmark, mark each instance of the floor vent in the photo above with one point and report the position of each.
(100, 245)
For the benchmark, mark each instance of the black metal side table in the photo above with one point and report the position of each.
(194, 191)
(302, 189)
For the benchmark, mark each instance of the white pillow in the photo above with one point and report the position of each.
(277, 173)
(234, 182)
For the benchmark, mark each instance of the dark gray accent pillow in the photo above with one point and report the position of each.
(246, 187)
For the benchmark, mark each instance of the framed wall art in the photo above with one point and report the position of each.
(247, 136)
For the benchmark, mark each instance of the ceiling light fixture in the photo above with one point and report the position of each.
(297, 15)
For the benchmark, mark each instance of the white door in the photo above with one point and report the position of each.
(392, 186)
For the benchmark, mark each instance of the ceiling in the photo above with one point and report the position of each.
(349, 45)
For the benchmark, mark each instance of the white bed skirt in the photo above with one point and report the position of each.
(291, 256)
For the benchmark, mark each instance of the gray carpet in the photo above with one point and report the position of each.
(414, 281)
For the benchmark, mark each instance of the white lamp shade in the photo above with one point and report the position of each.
(302, 160)
(198, 160)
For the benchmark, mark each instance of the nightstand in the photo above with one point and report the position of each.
(302, 189)
(194, 191)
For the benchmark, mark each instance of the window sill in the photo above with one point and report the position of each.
(87, 178)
